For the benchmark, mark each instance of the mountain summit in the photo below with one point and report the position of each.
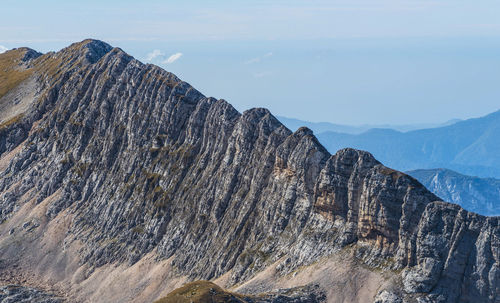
(120, 182)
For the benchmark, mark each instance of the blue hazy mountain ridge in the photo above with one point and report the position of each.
(480, 195)
(471, 147)
(320, 127)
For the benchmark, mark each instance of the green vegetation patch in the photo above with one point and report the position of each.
(201, 292)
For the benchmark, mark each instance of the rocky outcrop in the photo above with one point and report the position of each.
(15, 293)
(129, 161)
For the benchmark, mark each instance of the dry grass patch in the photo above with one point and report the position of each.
(11, 73)
(201, 292)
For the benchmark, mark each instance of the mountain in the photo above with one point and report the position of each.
(472, 193)
(469, 147)
(120, 183)
(321, 127)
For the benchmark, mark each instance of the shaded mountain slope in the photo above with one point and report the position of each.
(471, 147)
(118, 173)
(479, 195)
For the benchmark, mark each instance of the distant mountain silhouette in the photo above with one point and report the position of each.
(471, 147)
(480, 195)
(320, 127)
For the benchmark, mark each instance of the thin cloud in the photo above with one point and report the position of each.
(262, 74)
(3, 49)
(153, 55)
(258, 59)
(173, 58)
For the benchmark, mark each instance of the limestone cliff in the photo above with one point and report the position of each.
(111, 163)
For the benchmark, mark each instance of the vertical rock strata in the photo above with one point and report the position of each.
(145, 163)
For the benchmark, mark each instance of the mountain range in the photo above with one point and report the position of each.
(119, 182)
(424, 148)
(321, 127)
(470, 147)
(481, 195)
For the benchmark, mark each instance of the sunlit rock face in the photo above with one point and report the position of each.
(112, 164)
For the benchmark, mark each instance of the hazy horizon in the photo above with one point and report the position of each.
(343, 62)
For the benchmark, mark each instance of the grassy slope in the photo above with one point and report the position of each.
(11, 74)
(201, 292)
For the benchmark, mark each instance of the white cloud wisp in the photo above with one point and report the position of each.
(153, 55)
(173, 58)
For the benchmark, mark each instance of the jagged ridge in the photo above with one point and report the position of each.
(145, 163)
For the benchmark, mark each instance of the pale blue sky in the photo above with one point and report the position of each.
(350, 62)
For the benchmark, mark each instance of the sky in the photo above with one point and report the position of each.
(349, 62)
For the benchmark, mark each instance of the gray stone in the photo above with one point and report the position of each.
(148, 164)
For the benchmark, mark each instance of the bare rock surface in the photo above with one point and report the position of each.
(119, 169)
(19, 294)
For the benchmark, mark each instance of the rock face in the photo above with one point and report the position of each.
(475, 194)
(116, 161)
(15, 293)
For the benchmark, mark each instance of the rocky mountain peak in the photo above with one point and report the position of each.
(22, 53)
(304, 131)
(28, 53)
(116, 168)
(92, 50)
